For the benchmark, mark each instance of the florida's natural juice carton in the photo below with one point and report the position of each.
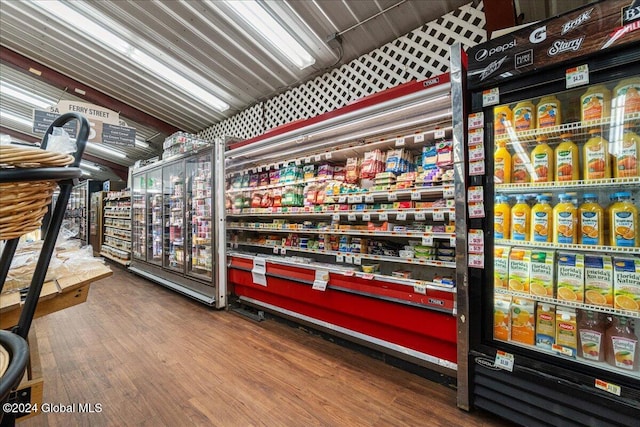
(545, 325)
(523, 320)
(541, 273)
(626, 274)
(566, 332)
(519, 267)
(570, 277)
(501, 317)
(501, 267)
(598, 280)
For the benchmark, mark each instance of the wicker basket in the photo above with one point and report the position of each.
(24, 204)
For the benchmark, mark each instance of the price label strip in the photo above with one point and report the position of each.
(504, 360)
(369, 198)
(438, 216)
(401, 216)
(366, 217)
(383, 217)
(399, 142)
(490, 97)
(577, 76)
(415, 195)
(439, 134)
(420, 216)
(418, 138)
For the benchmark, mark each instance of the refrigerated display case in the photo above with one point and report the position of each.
(181, 226)
(78, 210)
(116, 231)
(553, 304)
(346, 223)
(138, 218)
(95, 221)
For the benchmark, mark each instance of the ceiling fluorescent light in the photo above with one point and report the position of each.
(90, 166)
(18, 93)
(141, 143)
(5, 115)
(109, 150)
(258, 18)
(173, 77)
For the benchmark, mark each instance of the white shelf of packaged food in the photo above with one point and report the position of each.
(124, 239)
(356, 258)
(418, 214)
(584, 306)
(601, 365)
(419, 286)
(115, 258)
(118, 195)
(416, 234)
(565, 246)
(124, 216)
(575, 128)
(119, 228)
(563, 186)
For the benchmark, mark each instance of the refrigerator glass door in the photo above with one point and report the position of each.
(199, 196)
(138, 223)
(173, 190)
(154, 217)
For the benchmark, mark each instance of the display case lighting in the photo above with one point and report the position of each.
(5, 115)
(7, 89)
(109, 150)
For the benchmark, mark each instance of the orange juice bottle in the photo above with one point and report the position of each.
(524, 116)
(595, 153)
(591, 216)
(541, 219)
(595, 103)
(520, 165)
(548, 112)
(623, 221)
(520, 219)
(502, 119)
(626, 96)
(502, 164)
(567, 159)
(565, 221)
(502, 218)
(626, 154)
(542, 161)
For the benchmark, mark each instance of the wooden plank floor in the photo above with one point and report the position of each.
(152, 357)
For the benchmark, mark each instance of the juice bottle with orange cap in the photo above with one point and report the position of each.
(520, 219)
(524, 116)
(542, 161)
(502, 218)
(591, 219)
(565, 220)
(626, 154)
(502, 119)
(626, 96)
(567, 159)
(502, 163)
(542, 219)
(548, 112)
(623, 221)
(595, 103)
(595, 153)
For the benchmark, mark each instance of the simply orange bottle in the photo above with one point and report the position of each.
(502, 163)
(542, 219)
(542, 161)
(596, 160)
(626, 154)
(595, 103)
(623, 221)
(524, 116)
(502, 218)
(548, 112)
(626, 96)
(520, 219)
(502, 119)
(592, 222)
(565, 220)
(567, 160)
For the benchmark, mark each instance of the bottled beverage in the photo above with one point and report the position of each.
(524, 116)
(567, 159)
(541, 219)
(623, 221)
(520, 219)
(596, 162)
(502, 119)
(502, 164)
(591, 221)
(595, 103)
(565, 221)
(542, 161)
(591, 335)
(622, 344)
(626, 154)
(548, 112)
(520, 165)
(502, 218)
(626, 96)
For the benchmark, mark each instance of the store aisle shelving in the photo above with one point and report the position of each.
(150, 356)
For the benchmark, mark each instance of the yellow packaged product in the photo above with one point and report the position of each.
(501, 317)
(501, 266)
(598, 280)
(545, 325)
(541, 273)
(523, 321)
(519, 268)
(626, 283)
(570, 277)
(566, 332)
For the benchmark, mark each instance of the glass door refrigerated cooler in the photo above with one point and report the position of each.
(172, 204)
(554, 302)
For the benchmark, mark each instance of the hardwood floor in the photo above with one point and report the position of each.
(151, 357)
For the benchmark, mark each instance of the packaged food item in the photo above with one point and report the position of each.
(545, 325)
(570, 276)
(542, 220)
(566, 332)
(598, 280)
(622, 344)
(524, 116)
(626, 154)
(445, 153)
(565, 220)
(264, 179)
(623, 221)
(254, 180)
(501, 266)
(519, 269)
(370, 268)
(502, 164)
(403, 274)
(567, 159)
(352, 170)
(501, 317)
(325, 171)
(274, 177)
(542, 273)
(372, 163)
(595, 161)
(502, 218)
(595, 103)
(627, 96)
(626, 283)
(591, 335)
(523, 320)
(309, 172)
(520, 165)
(520, 219)
(548, 112)
(502, 119)
(542, 161)
(591, 220)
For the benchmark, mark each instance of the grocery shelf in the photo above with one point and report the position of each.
(114, 259)
(564, 246)
(119, 228)
(331, 214)
(349, 232)
(563, 186)
(117, 216)
(118, 237)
